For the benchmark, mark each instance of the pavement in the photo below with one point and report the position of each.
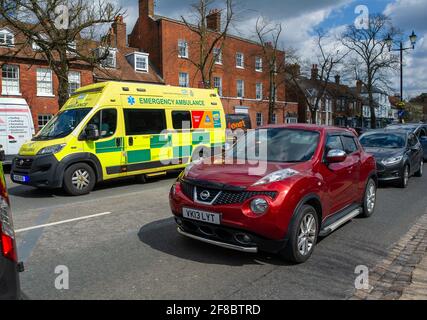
(120, 242)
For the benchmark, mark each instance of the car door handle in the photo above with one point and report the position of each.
(131, 141)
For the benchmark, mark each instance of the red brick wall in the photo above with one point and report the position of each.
(28, 88)
(168, 33)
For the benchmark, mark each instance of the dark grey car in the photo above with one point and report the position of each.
(398, 153)
(419, 129)
(9, 267)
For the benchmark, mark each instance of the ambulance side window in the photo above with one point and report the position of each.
(181, 120)
(144, 121)
(106, 121)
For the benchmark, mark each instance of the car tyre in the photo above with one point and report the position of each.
(369, 199)
(303, 234)
(79, 179)
(419, 173)
(404, 179)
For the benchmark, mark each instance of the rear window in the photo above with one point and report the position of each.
(142, 121)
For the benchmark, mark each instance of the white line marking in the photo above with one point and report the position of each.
(62, 222)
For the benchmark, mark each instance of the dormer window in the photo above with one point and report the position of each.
(35, 46)
(7, 38)
(110, 60)
(139, 61)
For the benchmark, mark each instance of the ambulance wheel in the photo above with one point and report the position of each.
(79, 179)
(142, 178)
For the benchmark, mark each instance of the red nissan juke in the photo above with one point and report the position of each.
(278, 194)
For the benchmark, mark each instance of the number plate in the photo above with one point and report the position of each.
(203, 216)
(21, 178)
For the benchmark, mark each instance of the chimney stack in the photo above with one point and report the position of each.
(359, 85)
(337, 79)
(118, 33)
(213, 20)
(146, 8)
(314, 72)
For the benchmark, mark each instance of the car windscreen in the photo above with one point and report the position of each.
(278, 145)
(62, 124)
(383, 140)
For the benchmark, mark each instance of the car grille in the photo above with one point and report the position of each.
(221, 197)
(23, 163)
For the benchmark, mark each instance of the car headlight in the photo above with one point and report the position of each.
(52, 149)
(392, 161)
(277, 176)
(259, 206)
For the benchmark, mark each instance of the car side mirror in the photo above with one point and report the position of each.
(92, 132)
(336, 156)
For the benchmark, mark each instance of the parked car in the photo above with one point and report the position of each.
(398, 153)
(316, 179)
(9, 267)
(419, 129)
(16, 126)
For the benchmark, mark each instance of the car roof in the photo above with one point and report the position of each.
(387, 131)
(310, 127)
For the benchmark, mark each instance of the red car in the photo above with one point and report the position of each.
(308, 181)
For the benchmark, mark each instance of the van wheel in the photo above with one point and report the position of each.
(303, 235)
(79, 179)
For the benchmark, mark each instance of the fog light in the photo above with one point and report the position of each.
(243, 238)
(259, 206)
(179, 221)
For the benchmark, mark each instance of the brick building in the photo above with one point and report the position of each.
(239, 75)
(25, 72)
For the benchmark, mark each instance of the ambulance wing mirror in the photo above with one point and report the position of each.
(92, 132)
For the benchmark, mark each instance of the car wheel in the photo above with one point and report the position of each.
(419, 173)
(79, 179)
(369, 199)
(404, 179)
(303, 235)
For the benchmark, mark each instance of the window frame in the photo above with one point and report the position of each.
(183, 44)
(261, 117)
(44, 118)
(217, 52)
(259, 91)
(242, 89)
(187, 84)
(145, 58)
(38, 82)
(71, 82)
(220, 87)
(258, 64)
(5, 80)
(99, 129)
(5, 32)
(242, 65)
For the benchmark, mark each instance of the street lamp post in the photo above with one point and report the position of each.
(401, 48)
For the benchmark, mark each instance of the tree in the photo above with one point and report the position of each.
(370, 58)
(206, 39)
(328, 59)
(268, 35)
(57, 27)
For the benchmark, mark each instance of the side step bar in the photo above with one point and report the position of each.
(219, 244)
(334, 226)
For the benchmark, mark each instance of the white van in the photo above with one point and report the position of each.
(16, 126)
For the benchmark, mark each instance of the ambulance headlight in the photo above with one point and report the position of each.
(52, 149)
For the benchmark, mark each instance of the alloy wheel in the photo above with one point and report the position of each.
(371, 196)
(307, 234)
(80, 179)
(406, 176)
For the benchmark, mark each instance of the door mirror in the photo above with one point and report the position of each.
(92, 132)
(336, 156)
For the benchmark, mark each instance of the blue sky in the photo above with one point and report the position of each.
(301, 18)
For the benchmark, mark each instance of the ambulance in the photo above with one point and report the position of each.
(114, 129)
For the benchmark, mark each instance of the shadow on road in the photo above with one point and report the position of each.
(37, 193)
(162, 236)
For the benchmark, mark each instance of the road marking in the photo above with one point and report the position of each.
(62, 222)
